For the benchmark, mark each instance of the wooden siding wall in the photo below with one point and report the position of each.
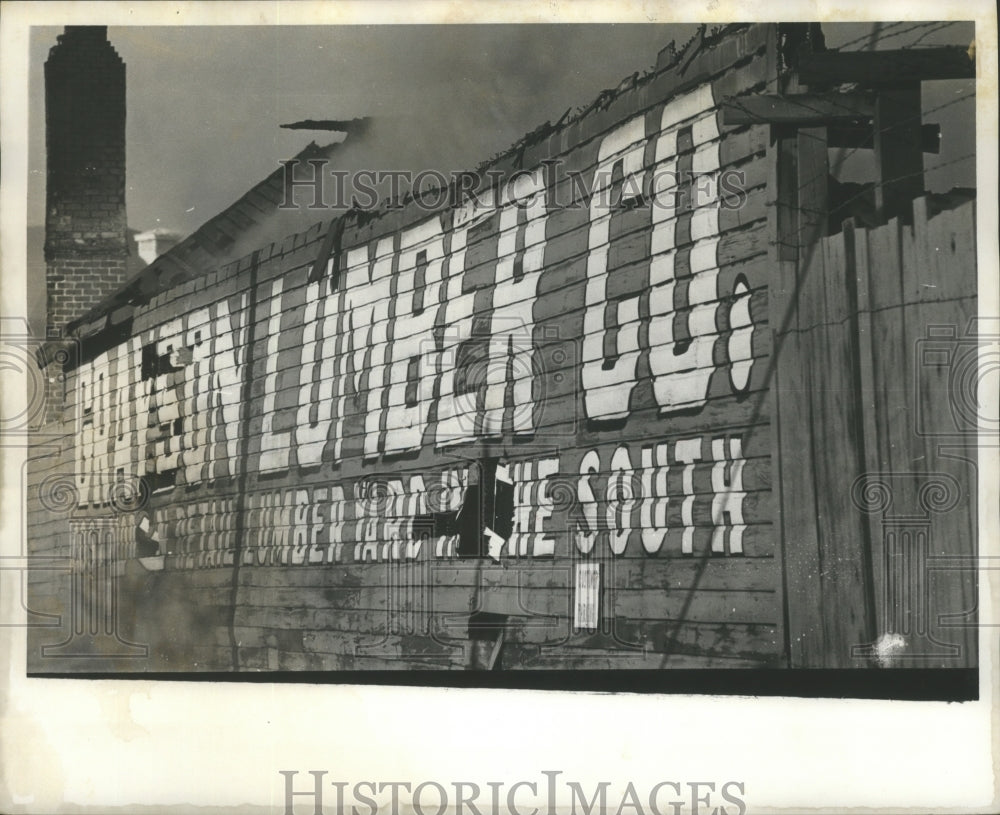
(301, 478)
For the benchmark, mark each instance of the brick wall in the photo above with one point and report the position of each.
(77, 284)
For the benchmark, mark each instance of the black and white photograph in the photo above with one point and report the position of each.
(457, 352)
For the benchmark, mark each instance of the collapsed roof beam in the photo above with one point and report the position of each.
(875, 68)
(797, 109)
(847, 115)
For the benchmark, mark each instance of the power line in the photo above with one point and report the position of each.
(928, 33)
(920, 172)
(909, 120)
(881, 34)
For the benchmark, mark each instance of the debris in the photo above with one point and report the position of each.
(349, 126)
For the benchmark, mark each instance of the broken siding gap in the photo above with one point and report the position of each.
(121, 314)
(242, 219)
(228, 228)
(318, 230)
(330, 249)
(273, 187)
(211, 239)
(260, 201)
(252, 206)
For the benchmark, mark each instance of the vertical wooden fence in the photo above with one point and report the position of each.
(875, 433)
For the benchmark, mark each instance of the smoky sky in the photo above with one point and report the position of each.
(205, 104)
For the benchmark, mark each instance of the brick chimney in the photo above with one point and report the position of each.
(85, 226)
(85, 223)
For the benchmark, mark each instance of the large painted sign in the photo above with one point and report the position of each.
(505, 321)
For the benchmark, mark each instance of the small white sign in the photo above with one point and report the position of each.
(588, 596)
(494, 543)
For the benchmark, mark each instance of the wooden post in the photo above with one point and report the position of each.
(862, 326)
(782, 222)
(899, 158)
(814, 167)
(803, 566)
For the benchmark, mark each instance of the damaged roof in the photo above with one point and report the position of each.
(211, 245)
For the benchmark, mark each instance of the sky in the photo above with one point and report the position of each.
(204, 104)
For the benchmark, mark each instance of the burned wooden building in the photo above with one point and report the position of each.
(663, 393)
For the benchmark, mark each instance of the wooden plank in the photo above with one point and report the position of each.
(946, 248)
(398, 598)
(750, 640)
(757, 542)
(360, 620)
(899, 158)
(535, 658)
(732, 606)
(894, 428)
(952, 532)
(947, 258)
(798, 514)
(349, 624)
(878, 68)
(862, 269)
(707, 574)
(357, 644)
(797, 108)
(837, 437)
(707, 606)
